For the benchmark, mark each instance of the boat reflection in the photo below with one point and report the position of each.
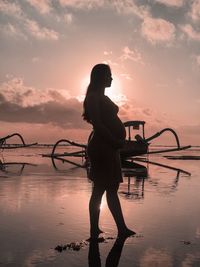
(13, 168)
(137, 175)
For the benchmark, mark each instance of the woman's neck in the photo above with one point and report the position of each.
(102, 91)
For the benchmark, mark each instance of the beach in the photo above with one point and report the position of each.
(42, 207)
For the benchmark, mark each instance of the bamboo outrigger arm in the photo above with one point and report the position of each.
(179, 147)
(70, 143)
(161, 132)
(3, 141)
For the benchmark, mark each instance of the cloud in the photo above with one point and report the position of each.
(11, 30)
(43, 6)
(195, 10)
(107, 53)
(66, 115)
(68, 18)
(110, 62)
(130, 7)
(122, 6)
(158, 30)
(126, 76)
(133, 55)
(88, 4)
(22, 104)
(26, 25)
(171, 3)
(132, 111)
(10, 8)
(190, 32)
(41, 33)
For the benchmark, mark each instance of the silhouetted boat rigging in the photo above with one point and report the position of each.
(15, 168)
(134, 146)
(5, 145)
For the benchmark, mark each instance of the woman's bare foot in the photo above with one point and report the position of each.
(95, 234)
(100, 231)
(126, 233)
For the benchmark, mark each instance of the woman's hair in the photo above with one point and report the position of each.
(97, 80)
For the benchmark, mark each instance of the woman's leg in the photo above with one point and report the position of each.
(94, 209)
(115, 208)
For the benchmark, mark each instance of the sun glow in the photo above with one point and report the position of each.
(114, 92)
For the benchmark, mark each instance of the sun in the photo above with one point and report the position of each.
(114, 92)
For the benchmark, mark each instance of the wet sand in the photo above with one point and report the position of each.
(42, 208)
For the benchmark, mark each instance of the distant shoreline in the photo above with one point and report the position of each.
(66, 145)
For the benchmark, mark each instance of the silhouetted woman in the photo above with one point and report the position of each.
(103, 149)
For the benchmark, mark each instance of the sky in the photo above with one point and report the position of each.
(48, 48)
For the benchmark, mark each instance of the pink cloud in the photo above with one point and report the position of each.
(68, 18)
(22, 104)
(126, 76)
(158, 30)
(195, 10)
(24, 108)
(43, 6)
(130, 7)
(82, 3)
(107, 53)
(64, 115)
(10, 8)
(13, 31)
(172, 3)
(41, 33)
(190, 32)
(123, 6)
(129, 54)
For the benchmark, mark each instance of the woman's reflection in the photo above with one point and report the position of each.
(113, 257)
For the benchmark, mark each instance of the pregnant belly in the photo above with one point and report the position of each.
(116, 127)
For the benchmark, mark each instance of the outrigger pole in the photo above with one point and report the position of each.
(166, 150)
(3, 142)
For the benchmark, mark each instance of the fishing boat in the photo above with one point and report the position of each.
(5, 145)
(135, 145)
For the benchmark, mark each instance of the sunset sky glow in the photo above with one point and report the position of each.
(48, 48)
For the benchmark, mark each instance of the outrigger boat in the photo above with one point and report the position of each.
(4, 145)
(134, 146)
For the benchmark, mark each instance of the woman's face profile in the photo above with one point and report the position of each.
(108, 79)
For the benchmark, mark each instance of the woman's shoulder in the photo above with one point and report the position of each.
(95, 97)
(92, 100)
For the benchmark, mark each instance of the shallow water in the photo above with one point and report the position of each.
(42, 207)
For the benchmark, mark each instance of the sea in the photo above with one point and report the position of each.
(44, 217)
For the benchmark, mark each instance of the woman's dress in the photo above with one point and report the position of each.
(105, 165)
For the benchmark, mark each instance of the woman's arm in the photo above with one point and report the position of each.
(93, 107)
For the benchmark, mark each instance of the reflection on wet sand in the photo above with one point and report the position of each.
(15, 168)
(137, 174)
(113, 257)
(41, 207)
(156, 257)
